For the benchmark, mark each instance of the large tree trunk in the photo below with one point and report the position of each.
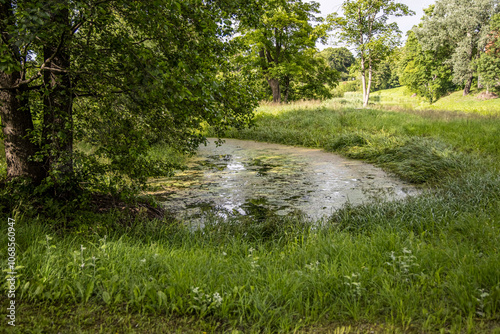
(275, 87)
(57, 133)
(17, 123)
(16, 126)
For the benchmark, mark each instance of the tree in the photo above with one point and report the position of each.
(339, 59)
(488, 65)
(364, 25)
(313, 79)
(462, 24)
(425, 72)
(281, 45)
(386, 75)
(119, 75)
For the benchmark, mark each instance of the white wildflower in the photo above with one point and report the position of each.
(217, 299)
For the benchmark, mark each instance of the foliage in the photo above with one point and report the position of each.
(140, 73)
(281, 50)
(339, 59)
(425, 72)
(346, 86)
(313, 81)
(461, 25)
(387, 75)
(488, 65)
(365, 26)
(427, 263)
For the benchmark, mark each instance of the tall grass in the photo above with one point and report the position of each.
(421, 148)
(421, 265)
(401, 99)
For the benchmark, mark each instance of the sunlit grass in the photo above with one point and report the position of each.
(277, 108)
(417, 146)
(400, 99)
(426, 264)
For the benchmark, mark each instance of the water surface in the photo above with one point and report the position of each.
(253, 178)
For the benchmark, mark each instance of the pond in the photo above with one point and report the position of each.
(248, 178)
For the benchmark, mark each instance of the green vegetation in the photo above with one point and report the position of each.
(364, 25)
(488, 65)
(400, 98)
(280, 52)
(461, 28)
(428, 263)
(421, 146)
(339, 59)
(425, 72)
(98, 96)
(119, 75)
(453, 104)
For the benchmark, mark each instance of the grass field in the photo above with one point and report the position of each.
(427, 264)
(400, 99)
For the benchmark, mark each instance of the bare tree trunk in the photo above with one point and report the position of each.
(363, 79)
(275, 87)
(368, 88)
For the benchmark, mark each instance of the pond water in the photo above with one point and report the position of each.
(258, 179)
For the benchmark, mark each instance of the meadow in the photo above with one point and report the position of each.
(426, 264)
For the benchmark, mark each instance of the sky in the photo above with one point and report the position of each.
(405, 23)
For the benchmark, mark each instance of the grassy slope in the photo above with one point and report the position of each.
(424, 264)
(453, 101)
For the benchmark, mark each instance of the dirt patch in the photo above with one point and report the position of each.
(486, 96)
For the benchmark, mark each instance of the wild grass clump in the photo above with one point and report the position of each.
(414, 159)
(427, 263)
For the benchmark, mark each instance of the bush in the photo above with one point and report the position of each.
(346, 86)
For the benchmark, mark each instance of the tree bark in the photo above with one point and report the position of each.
(369, 86)
(275, 87)
(363, 79)
(17, 125)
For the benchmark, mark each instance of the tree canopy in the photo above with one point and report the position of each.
(425, 72)
(462, 24)
(364, 25)
(339, 59)
(281, 49)
(119, 75)
(488, 65)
